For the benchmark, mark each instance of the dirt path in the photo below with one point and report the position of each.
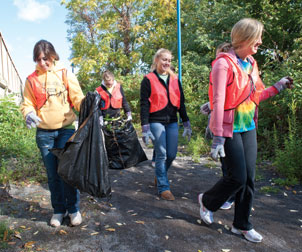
(136, 220)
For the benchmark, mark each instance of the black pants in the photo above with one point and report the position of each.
(240, 160)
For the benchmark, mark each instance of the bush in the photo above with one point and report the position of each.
(19, 155)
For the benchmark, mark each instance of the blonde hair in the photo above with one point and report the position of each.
(246, 29)
(107, 75)
(157, 55)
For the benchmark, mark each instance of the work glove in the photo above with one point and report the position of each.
(129, 116)
(285, 82)
(187, 130)
(217, 149)
(147, 134)
(205, 108)
(101, 119)
(32, 121)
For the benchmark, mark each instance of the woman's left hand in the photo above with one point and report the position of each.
(187, 130)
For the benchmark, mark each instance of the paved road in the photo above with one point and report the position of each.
(136, 220)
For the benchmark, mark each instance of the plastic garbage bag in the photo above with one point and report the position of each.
(83, 162)
(123, 147)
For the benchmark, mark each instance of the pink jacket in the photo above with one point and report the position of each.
(221, 122)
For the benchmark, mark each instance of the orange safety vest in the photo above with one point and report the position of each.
(116, 99)
(158, 98)
(40, 92)
(241, 85)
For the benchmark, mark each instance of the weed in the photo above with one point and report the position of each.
(269, 189)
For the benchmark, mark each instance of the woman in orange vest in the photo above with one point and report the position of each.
(235, 91)
(161, 98)
(49, 95)
(113, 96)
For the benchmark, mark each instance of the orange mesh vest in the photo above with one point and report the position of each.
(116, 99)
(158, 98)
(40, 92)
(241, 85)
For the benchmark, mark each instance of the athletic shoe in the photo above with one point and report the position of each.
(226, 205)
(56, 220)
(205, 214)
(75, 218)
(250, 235)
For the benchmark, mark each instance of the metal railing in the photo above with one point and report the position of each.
(10, 81)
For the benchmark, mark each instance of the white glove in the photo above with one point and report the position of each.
(285, 82)
(205, 108)
(217, 149)
(101, 118)
(187, 130)
(129, 116)
(147, 134)
(32, 121)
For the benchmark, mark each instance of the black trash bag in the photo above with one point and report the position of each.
(123, 147)
(83, 162)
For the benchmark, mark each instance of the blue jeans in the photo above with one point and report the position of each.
(165, 146)
(63, 197)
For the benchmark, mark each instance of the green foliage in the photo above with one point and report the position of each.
(288, 157)
(269, 189)
(285, 182)
(5, 234)
(19, 155)
(198, 146)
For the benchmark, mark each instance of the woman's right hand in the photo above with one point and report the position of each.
(147, 134)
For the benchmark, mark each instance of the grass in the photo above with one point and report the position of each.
(5, 234)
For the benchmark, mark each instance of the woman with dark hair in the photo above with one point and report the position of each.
(50, 94)
(235, 92)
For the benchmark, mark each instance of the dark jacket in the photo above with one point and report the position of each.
(166, 115)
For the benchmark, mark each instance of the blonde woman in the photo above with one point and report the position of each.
(235, 92)
(161, 98)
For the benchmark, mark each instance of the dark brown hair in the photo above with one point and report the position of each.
(47, 48)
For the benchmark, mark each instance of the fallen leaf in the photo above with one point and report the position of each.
(18, 236)
(97, 223)
(110, 229)
(185, 198)
(186, 193)
(268, 195)
(130, 211)
(107, 226)
(226, 227)
(167, 237)
(103, 213)
(113, 208)
(225, 250)
(5, 235)
(219, 230)
(140, 222)
(199, 221)
(85, 226)
(35, 233)
(219, 222)
(23, 227)
(294, 192)
(39, 249)
(169, 217)
(11, 243)
(300, 220)
(294, 211)
(114, 181)
(134, 214)
(29, 244)
(285, 194)
(94, 233)
(119, 224)
(62, 232)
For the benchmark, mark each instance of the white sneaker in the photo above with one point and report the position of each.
(56, 220)
(250, 235)
(75, 218)
(205, 214)
(227, 205)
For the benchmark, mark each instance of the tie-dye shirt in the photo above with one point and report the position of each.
(244, 113)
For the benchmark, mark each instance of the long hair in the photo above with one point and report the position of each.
(157, 55)
(246, 29)
(47, 48)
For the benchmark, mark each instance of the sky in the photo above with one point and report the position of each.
(25, 22)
